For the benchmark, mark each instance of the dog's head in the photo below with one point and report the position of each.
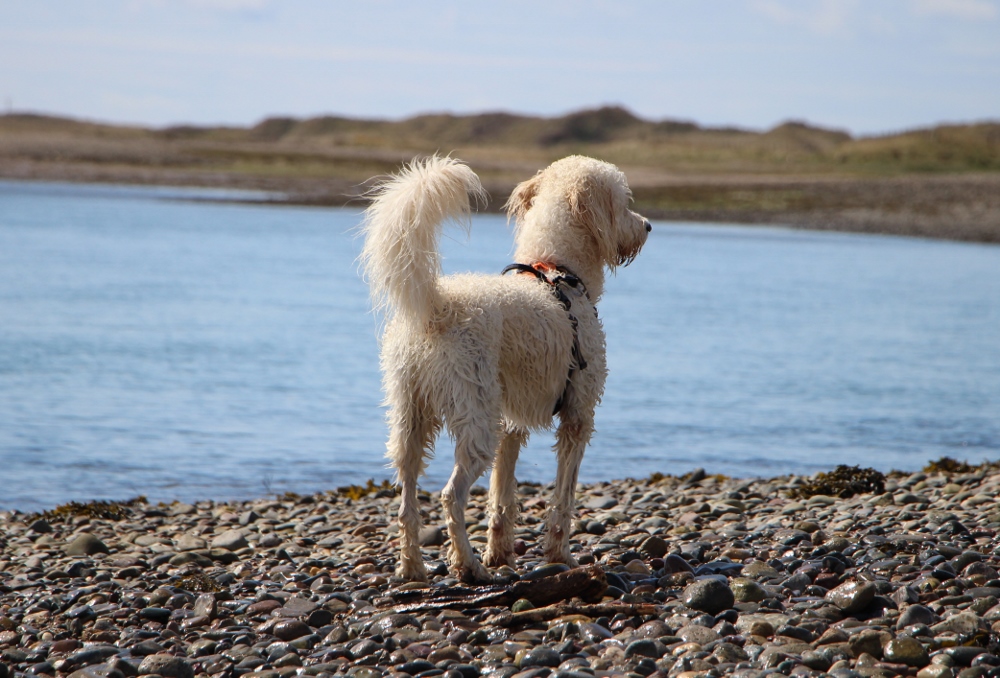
(585, 195)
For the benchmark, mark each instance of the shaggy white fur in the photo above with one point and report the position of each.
(488, 355)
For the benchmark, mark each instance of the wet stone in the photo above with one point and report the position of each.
(852, 596)
(906, 650)
(86, 544)
(40, 526)
(601, 503)
(290, 629)
(146, 647)
(693, 633)
(297, 607)
(97, 671)
(654, 547)
(964, 623)
(264, 607)
(160, 615)
(915, 614)
(204, 605)
(431, 536)
(187, 542)
(645, 648)
(166, 665)
(540, 656)
(231, 540)
(92, 655)
(759, 570)
(747, 590)
(709, 595)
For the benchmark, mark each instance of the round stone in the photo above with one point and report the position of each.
(761, 628)
(547, 570)
(97, 671)
(430, 536)
(759, 570)
(188, 542)
(709, 595)
(693, 633)
(915, 614)
(747, 590)
(86, 544)
(166, 665)
(290, 629)
(644, 648)
(654, 547)
(653, 629)
(160, 615)
(906, 650)
(540, 656)
(364, 648)
(852, 596)
(232, 540)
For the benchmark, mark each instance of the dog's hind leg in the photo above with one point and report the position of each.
(475, 442)
(572, 436)
(411, 434)
(503, 499)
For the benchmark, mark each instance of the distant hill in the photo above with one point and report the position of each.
(942, 181)
(612, 132)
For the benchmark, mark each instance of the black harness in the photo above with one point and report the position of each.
(563, 277)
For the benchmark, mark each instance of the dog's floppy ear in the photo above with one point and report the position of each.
(520, 200)
(591, 202)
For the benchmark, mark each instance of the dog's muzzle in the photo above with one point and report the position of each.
(649, 227)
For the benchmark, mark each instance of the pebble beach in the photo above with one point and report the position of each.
(700, 575)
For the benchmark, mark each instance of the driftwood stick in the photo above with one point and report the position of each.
(550, 612)
(587, 583)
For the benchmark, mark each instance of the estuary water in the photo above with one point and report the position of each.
(164, 342)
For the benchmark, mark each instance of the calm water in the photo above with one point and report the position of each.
(191, 349)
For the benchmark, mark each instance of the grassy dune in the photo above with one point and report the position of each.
(938, 182)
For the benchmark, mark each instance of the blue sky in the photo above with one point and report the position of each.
(868, 67)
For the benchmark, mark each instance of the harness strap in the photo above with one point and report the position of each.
(567, 277)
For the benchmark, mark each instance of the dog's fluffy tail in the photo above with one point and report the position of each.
(401, 230)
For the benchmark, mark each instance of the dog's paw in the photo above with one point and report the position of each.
(474, 574)
(499, 558)
(411, 571)
(562, 557)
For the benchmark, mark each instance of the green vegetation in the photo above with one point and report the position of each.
(198, 582)
(844, 481)
(356, 492)
(949, 465)
(102, 510)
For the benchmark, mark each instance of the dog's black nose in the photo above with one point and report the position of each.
(649, 227)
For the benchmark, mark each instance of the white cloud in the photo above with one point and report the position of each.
(229, 4)
(218, 5)
(820, 16)
(961, 9)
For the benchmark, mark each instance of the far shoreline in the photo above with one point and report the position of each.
(299, 192)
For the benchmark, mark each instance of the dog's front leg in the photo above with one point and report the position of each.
(503, 500)
(571, 441)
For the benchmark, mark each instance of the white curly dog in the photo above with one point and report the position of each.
(493, 357)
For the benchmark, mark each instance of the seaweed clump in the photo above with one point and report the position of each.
(198, 582)
(102, 510)
(948, 465)
(844, 481)
(356, 492)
